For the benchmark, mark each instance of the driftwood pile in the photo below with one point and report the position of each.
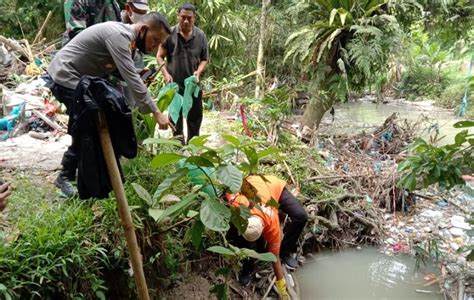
(24, 57)
(363, 166)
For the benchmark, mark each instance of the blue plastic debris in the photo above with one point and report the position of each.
(442, 203)
(387, 136)
(377, 166)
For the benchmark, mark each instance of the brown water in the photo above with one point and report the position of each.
(363, 115)
(364, 274)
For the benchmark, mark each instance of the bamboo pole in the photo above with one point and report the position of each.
(122, 205)
(40, 32)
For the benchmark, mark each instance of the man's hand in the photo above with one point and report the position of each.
(168, 78)
(281, 286)
(5, 191)
(197, 74)
(163, 121)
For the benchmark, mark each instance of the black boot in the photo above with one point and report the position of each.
(289, 261)
(246, 274)
(64, 184)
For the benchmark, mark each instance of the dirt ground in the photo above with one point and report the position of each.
(194, 286)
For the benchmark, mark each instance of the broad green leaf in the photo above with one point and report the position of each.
(221, 250)
(272, 203)
(192, 214)
(236, 218)
(199, 140)
(164, 159)
(270, 257)
(214, 215)
(166, 95)
(178, 208)
(220, 290)
(169, 182)
(460, 138)
(155, 213)
(199, 161)
(196, 233)
(252, 157)
(231, 177)
(211, 156)
(409, 182)
(464, 124)
(161, 141)
(267, 152)
(142, 193)
(232, 139)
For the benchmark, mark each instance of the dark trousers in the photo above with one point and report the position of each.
(70, 157)
(193, 121)
(293, 229)
(295, 225)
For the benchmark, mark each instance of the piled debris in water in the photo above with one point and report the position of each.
(438, 229)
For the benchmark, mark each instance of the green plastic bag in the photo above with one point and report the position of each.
(191, 88)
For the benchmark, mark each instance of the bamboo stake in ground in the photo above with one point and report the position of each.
(122, 205)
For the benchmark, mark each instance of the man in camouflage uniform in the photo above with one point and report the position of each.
(80, 14)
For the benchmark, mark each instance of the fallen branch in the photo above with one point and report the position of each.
(13, 46)
(40, 32)
(238, 291)
(339, 176)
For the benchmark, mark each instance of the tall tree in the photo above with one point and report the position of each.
(344, 48)
(259, 80)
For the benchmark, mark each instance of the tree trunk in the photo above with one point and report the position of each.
(259, 79)
(316, 109)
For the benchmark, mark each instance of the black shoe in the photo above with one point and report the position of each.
(66, 187)
(245, 277)
(289, 261)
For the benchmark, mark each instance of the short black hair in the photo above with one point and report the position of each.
(187, 6)
(154, 19)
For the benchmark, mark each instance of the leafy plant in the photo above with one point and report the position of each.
(213, 172)
(429, 164)
(347, 43)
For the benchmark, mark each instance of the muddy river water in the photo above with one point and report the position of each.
(365, 274)
(365, 115)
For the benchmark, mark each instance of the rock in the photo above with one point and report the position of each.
(427, 229)
(454, 246)
(458, 222)
(390, 241)
(432, 214)
(456, 232)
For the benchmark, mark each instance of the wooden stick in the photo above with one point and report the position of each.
(291, 175)
(123, 209)
(47, 120)
(269, 288)
(40, 32)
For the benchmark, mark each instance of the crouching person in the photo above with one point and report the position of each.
(264, 225)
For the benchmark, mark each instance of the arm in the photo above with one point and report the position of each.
(200, 69)
(278, 269)
(117, 45)
(204, 57)
(160, 58)
(5, 191)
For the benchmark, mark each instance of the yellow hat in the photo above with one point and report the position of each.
(254, 229)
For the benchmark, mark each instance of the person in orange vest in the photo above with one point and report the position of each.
(264, 224)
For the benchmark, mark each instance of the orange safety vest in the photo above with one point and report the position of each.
(272, 188)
